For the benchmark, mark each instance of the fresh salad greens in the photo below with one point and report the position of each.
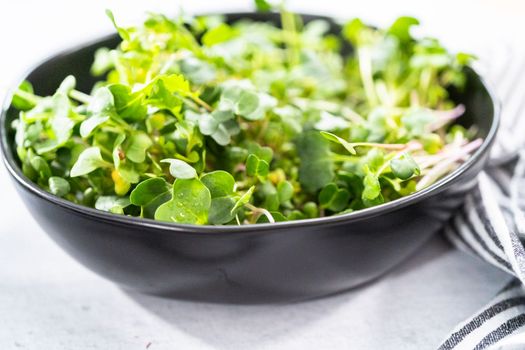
(200, 121)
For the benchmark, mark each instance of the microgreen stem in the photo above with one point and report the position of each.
(365, 69)
(34, 99)
(80, 96)
(446, 165)
(260, 211)
(290, 36)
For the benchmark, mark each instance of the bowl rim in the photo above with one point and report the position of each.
(358, 215)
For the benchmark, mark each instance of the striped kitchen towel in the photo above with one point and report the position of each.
(491, 223)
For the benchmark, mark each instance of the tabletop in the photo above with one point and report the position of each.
(49, 301)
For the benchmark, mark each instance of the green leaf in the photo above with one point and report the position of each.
(221, 135)
(60, 125)
(404, 167)
(89, 160)
(401, 28)
(102, 101)
(256, 166)
(138, 144)
(121, 31)
(113, 204)
(90, 124)
(334, 198)
(58, 186)
(219, 182)
(176, 83)
(334, 138)
(244, 199)
(222, 115)
(221, 210)
(285, 191)
(372, 188)
(165, 94)
(130, 106)
(208, 124)
(41, 167)
(25, 100)
(311, 210)
(180, 169)
(198, 71)
(67, 85)
(218, 34)
(247, 106)
(263, 6)
(418, 121)
(190, 203)
(353, 31)
(316, 168)
(150, 194)
(102, 62)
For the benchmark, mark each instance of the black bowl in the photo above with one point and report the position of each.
(263, 263)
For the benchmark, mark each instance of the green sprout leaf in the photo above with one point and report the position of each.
(316, 169)
(404, 167)
(180, 169)
(59, 186)
(90, 124)
(334, 198)
(263, 6)
(89, 160)
(372, 188)
(150, 194)
(256, 166)
(190, 203)
(112, 204)
(401, 28)
(139, 142)
(334, 138)
(219, 182)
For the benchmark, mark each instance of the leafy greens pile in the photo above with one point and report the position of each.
(203, 122)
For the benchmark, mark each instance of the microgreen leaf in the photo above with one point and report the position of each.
(89, 160)
(24, 100)
(401, 28)
(334, 138)
(244, 199)
(256, 166)
(404, 167)
(221, 210)
(113, 204)
(218, 34)
(121, 31)
(263, 5)
(180, 169)
(139, 142)
(190, 203)
(248, 105)
(372, 188)
(333, 198)
(90, 124)
(219, 182)
(59, 186)
(150, 194)
(285, 191)
(316, 169)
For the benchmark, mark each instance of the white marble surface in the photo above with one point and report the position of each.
(48, 301)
